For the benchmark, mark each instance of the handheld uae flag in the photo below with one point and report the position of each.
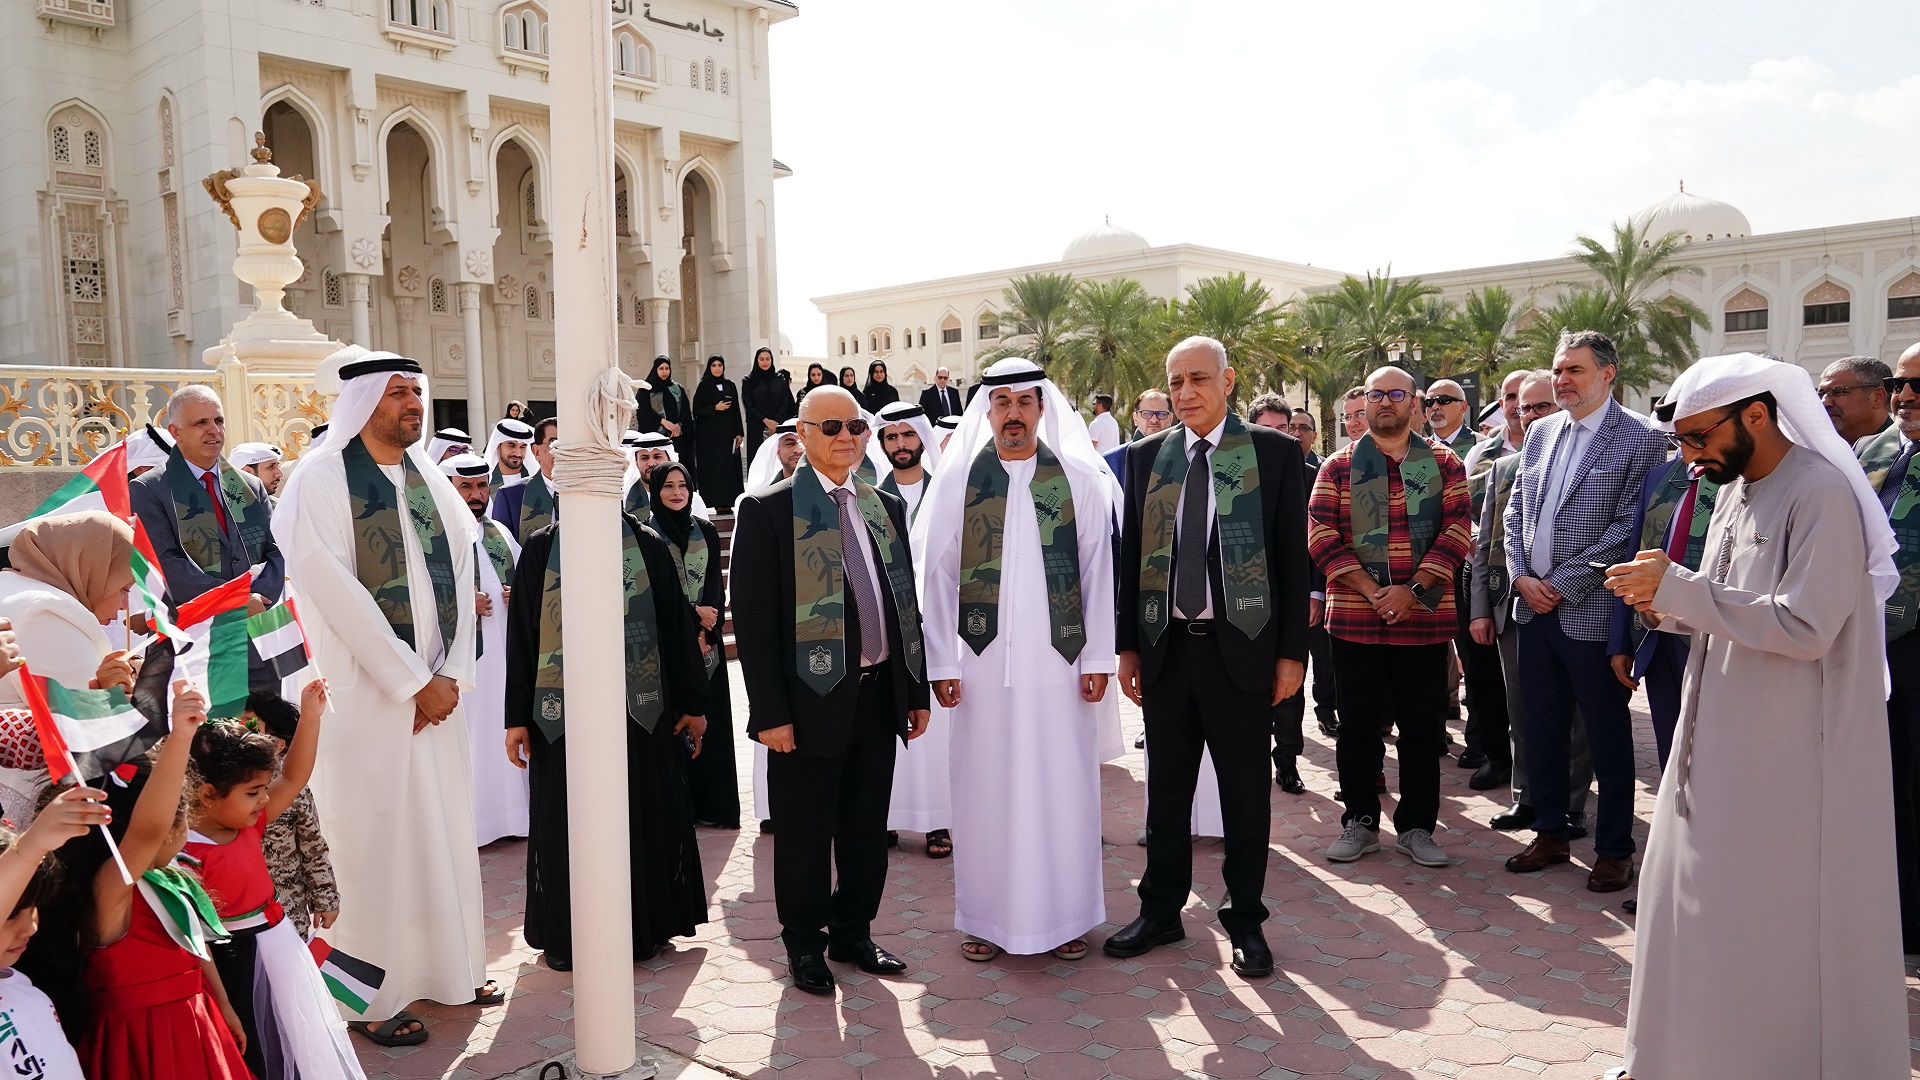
(149, 583)
(214, 654)
(352, 980)
(89, 732)
(102, 485)
(278, 640)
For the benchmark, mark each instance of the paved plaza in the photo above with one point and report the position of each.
(1384, 968)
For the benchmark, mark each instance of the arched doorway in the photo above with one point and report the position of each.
(290, 137)
(696, 279)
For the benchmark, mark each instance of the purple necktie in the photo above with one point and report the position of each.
(853, 567)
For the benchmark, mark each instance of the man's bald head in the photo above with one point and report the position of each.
(1388, 378)
(829, 401)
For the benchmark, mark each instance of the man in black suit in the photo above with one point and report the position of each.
(1205, 653)
(198, 482)
(940, 399)
(829, 707)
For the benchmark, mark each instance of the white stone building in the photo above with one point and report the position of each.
(426, 124)
(949, 322)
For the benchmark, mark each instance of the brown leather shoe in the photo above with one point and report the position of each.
(1545, 851)
(1610, 875)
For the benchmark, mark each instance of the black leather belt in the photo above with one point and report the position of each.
(1196, 627)
(868, 674)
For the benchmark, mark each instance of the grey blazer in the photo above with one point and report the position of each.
(1596, 516)
(152, 501)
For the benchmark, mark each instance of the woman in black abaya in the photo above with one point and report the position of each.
(768, 401)
(717, 434)
(666, 408)
(711, 778)
(879, 391)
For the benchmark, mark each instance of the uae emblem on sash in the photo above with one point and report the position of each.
(1153, 609)
(820, 661)
(550, 709)
(976, 623)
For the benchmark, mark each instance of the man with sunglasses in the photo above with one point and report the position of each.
(1852, 391)
(1888, 460)
(827, 624)
(1446, 411)
(1326, 708)
(1486, 692)
(1574, 502)
(1774, 808)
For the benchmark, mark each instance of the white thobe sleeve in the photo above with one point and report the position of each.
(1813, 599)
(1096, 576)
(460, 664)
(322, 564)
(940, 602)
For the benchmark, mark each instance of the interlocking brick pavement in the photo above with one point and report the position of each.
(1385, 969)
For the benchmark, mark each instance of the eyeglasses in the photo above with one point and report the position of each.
(1153, 414)
(831, 428)
(1841, 391)
(1438, 400)
(1540, 408)
(1894, 385)
(1395, 396)
(1697, 439)
(1308, 428)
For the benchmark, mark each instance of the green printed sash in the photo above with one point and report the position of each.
(380, 549)
(1877, 458)
(498, 478)
(1242, 525)
(983, 531)
(493, 538)
(890, 484)
(536, 507)
(200, 527)
(646, 698)
(1496, 448)
(819, 593)
(1500, 489)
(692, 566)
(638, 501)
(1666, 502)
(1368, 510)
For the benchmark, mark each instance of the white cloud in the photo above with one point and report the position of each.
(945, 139)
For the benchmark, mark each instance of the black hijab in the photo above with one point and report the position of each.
(757, 374)
(707, 376)
(675, 525)
(855, 386)
(662, 375)
(881, 367)
(817, 368)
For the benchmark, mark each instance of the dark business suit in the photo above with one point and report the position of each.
(1289, 717)
(1210, 685)
(152, 499)
(1659, 657)
(830, 794)
(940, 401)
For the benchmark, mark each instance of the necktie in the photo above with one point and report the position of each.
(219, 504)
(853, 566)
(1541, 557)
(1190, 573)
(1682, 526)
(1896, 475)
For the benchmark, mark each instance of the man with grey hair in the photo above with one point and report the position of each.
(209, 522)
(1445, 407)
(1212, 633)
(1888, 460)
(1852, 392)
(1575, 498)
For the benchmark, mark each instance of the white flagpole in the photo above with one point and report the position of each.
(73, 774)
(591, 636)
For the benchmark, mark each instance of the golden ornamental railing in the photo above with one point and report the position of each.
(61, 417)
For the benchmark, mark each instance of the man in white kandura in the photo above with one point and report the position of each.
(499, 786)
(1769, 944)
(382, 548)
(1017, 591)
(903, 451)
(507, 453)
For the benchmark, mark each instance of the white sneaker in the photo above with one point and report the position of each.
(1355, 840)
(1418, 845)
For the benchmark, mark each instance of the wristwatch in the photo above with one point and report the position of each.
(1428, 595)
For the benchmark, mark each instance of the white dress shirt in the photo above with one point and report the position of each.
(1213, 512)
(1105, 432)
(1563, 461)
(872, 556)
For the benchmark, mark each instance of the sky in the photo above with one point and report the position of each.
(932, 139)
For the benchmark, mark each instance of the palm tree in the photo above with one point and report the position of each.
(1241, 315)
(1378, 311)
(1108, 339)
(1585, 307)
(1033, 318)
(1481, 332)
(1654, 335)
(1325, 357)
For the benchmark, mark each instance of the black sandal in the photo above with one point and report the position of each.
(939, 844)
(385, 1033)
(482, 997)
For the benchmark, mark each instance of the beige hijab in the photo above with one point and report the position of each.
(79, 554)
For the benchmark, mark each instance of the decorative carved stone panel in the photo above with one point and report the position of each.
(1906, 286)
(1746, 300)
(1827, 292)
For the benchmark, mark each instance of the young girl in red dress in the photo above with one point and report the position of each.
(153, 1007)
(292, 1027)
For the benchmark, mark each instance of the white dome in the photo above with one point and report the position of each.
(1692, 216)
(786, 345)
(1105, 242)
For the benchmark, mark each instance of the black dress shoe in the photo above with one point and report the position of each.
(868, 957)
(1471, 758)
(1330, 728)
(1576, 831)
(1289, 779)
(1251, 957)
(555, 962)
(1489, 776)
(810, 973)
(1140, 936)
(766, 826)
(1520, 816)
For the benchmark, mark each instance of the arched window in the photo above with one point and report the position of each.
(886, 341)
(533, 303)
(693, 74)
(856, 344)
(620, 308)
(639, 311)
(843, 346)
(523, 30)
(330, 291)
(1903, 298)
(989, 328)
(62, 145)
(726, 83)
(632, 56)
(1746, 310)
(437, 296)
(923, 337)
(950, 331)
(873, 342)
(708, 67)
(1827, 304)
(92, 141)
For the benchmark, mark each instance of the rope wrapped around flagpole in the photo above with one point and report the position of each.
(595, 464)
